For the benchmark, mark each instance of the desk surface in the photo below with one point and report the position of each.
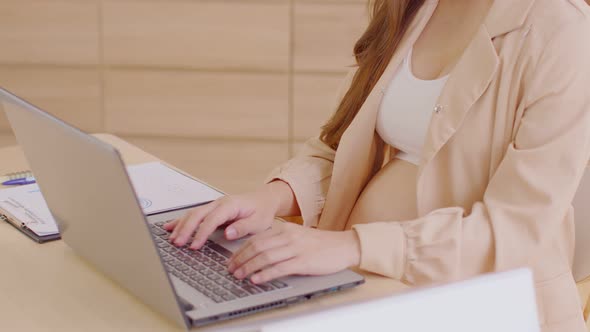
(46, 287)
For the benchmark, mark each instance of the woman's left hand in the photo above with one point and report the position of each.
(289, 249)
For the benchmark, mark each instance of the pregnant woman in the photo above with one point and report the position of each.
(455, 149)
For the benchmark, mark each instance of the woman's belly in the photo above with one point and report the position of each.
(389, 196)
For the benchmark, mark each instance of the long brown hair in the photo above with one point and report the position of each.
(389, 21)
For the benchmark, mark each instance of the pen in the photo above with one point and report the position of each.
(19, 181)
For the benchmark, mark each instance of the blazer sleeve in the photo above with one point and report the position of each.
(309, 172)
(526, 199)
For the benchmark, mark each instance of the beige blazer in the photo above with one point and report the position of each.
(506, 148)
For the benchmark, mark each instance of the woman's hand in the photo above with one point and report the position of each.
(247, 214)
(289, 249)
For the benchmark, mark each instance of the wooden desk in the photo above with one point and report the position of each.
(46, 287)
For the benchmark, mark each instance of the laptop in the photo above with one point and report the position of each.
(496, 302)
(87, 189)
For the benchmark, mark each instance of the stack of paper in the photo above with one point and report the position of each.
(26, 205)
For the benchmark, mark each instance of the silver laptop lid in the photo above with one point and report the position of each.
(90, 196)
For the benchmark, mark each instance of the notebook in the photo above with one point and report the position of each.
(159, 189)
(24, 208)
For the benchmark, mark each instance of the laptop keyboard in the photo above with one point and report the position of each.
(205, 269)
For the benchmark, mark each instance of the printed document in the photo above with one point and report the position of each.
(159, 188)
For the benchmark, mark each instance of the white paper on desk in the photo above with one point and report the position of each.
(27, 206)
(160, 188)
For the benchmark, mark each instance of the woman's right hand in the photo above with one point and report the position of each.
(245, 214)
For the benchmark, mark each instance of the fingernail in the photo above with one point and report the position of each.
(255, 279)
(239, 274)
(230, 267)
(231, 233)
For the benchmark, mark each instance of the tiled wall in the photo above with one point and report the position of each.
(225, 89)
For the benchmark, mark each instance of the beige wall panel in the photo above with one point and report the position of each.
(193, 104)
(71, 94)
(232, 166)
(207, 34)
(55, 32)
(296, 147)
(333, 1)
(7, 140)
(325, 35)
(4, 126)
(314, 102)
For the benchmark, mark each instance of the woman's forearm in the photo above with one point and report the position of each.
(283, 198)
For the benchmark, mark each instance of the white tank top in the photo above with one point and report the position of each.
(404, 114)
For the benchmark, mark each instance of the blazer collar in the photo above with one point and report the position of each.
(507, 15)
(472, 74)
(466, 84)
